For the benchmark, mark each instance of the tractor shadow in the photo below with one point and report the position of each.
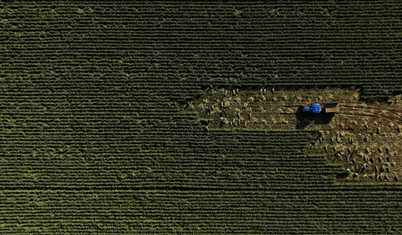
(305, 119)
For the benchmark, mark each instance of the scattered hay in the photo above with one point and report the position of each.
(377, 177)
(254, 120)
(260, 109)
(389, 158)
(344, 133)
(382, 169)
(226, 104)
(366, 159)
(365, 126)
(355, 97)
(224, 120)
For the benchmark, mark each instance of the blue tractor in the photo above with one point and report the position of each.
(317, 113)
(315, 108)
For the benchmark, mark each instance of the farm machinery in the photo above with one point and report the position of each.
(317, 108)
(319, 113)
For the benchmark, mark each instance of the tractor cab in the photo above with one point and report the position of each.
(315, 108)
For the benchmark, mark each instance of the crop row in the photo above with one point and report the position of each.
(89, 173)
(138, 154)
(129, 211)
(88, 104)
(235, 44)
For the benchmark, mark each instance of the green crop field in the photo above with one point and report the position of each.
(94, 139)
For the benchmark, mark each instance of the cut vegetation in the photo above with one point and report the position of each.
(364, 137)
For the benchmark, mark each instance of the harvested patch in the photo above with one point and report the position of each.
(360, 133)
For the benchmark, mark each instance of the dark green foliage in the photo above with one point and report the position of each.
(333, 209)
(92, 140)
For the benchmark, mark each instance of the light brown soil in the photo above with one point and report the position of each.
(367, 137)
